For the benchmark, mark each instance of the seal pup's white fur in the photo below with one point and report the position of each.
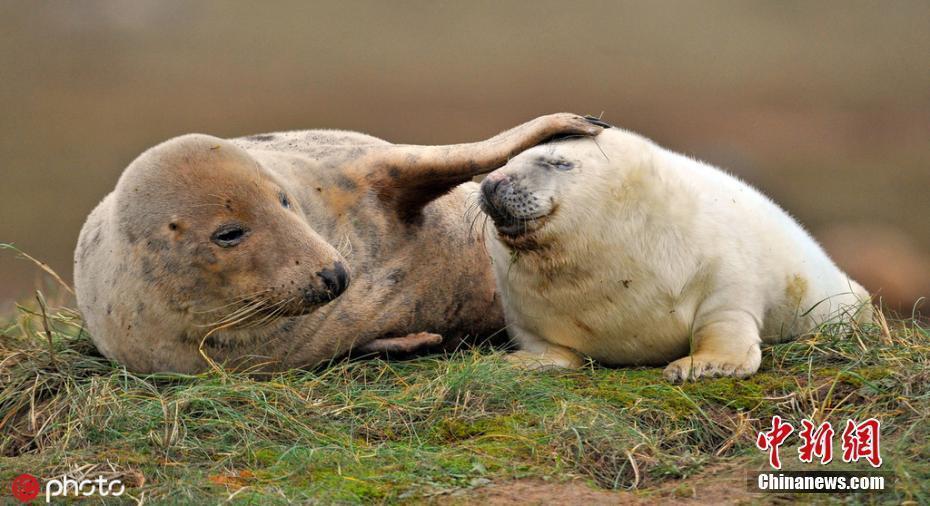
(616, 249)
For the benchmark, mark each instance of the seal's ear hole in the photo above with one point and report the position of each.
(172, 226)
(228, 236)
(284, 200)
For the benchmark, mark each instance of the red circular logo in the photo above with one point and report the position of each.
(25, 487)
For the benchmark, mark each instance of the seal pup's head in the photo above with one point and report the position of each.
(557, 188)
(199, 239)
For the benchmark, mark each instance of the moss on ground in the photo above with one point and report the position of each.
(377, 431)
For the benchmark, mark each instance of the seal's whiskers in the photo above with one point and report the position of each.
(237, 300)
(240, 314)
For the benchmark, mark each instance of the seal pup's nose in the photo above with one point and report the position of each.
(335, 280)
(493, 183)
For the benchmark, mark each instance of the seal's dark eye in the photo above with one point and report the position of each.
(562, 164)
(228, 236)
(284, 201)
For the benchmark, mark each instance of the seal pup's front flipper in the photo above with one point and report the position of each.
(409, 177)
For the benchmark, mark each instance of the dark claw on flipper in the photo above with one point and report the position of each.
(598, 121)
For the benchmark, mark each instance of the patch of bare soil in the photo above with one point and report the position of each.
(719, 484)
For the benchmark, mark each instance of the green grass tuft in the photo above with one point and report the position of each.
(376, 431)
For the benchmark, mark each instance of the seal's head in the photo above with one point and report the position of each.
(546, 190)
(562, 187)
(206, 227)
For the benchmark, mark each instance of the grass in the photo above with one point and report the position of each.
(438, 427)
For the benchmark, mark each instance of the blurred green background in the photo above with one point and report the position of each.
(823, 105)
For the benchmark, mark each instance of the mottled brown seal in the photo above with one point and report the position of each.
(290, 249)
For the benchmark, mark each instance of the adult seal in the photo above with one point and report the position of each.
(615, 249)
(290, 249)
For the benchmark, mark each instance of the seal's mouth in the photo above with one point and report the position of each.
(516, 228)
(518, 233)
(518, 215)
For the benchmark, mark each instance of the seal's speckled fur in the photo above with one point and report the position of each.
(289, 249)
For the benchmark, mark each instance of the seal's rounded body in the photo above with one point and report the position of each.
(616, 249)
(289, 249)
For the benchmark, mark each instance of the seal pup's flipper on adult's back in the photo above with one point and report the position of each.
(409, 177)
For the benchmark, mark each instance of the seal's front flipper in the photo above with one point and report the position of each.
(405, 344)
(409, 177)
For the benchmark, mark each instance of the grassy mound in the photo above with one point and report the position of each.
(441, 426)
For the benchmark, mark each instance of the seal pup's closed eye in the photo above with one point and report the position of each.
(615, 249)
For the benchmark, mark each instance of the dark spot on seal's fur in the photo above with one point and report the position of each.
(89, 244)
(583, 326)
(394, 172)
(396, 276)
(109, 309)
(205, 253)
(261, 137)
(148, 270)
(288, 325)
(346, 183)
(156, 244)
(172, 265)
(626, 283)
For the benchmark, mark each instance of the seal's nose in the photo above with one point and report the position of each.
(493, 184)
(335, 280)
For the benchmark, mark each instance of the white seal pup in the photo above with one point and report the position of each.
(616, 249)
